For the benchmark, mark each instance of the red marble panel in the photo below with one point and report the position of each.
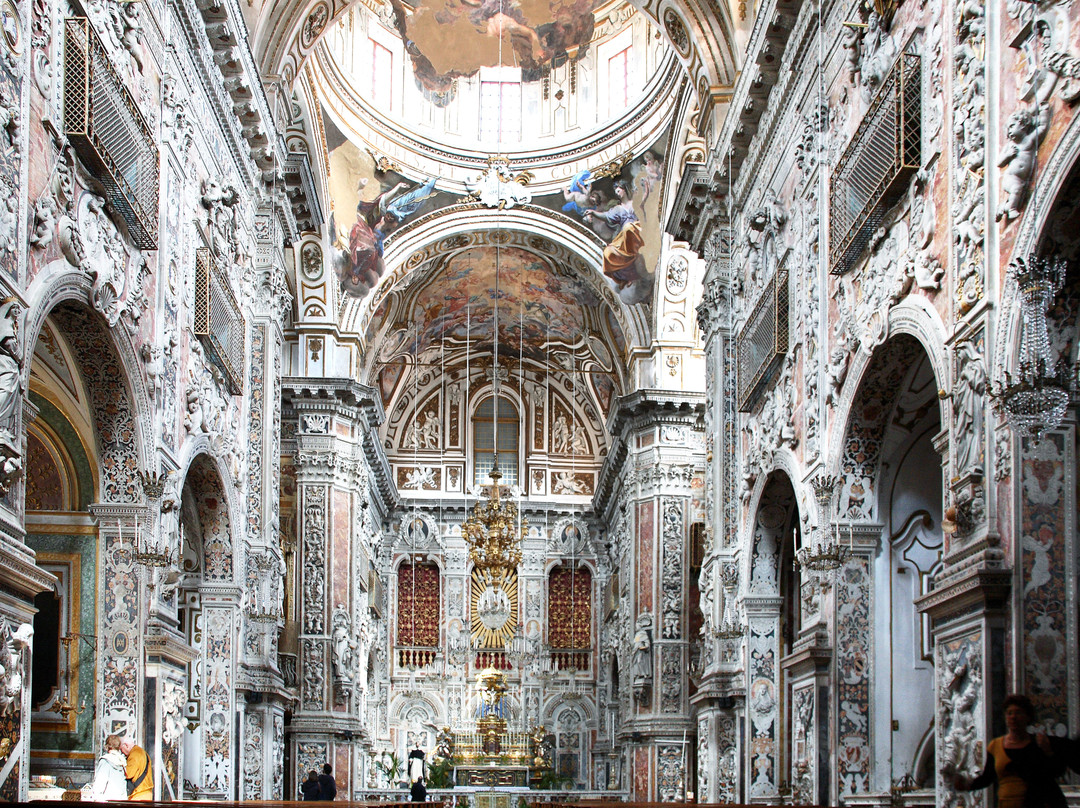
(646, 527)
(641, 774)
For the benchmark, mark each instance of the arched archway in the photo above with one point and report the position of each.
(84, 451)
(890, 510)
(207, 603)
(773, 618)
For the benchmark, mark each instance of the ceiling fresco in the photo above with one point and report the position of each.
(622, 207)
(450, 38)
(540, 308)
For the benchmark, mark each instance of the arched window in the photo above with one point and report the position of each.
(484, 441)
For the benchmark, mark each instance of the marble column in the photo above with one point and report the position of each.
(660, 454)
(336, 419)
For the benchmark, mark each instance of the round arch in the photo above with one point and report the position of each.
(439, 236)
(109, 367)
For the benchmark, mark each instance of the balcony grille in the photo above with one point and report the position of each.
(872, 172)
(763, 341)
(109, 133)
(218, 322)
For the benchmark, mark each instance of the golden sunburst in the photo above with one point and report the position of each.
(482, 635)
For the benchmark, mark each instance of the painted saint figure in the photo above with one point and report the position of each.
(375, 220)
(622, 256)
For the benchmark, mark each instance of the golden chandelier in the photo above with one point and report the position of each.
(494, 531)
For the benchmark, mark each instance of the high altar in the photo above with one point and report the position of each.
(491, 756)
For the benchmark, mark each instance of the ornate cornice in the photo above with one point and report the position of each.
(978, 590)
(18, 572)
(158, 641)
(632, 412)
(353, 400)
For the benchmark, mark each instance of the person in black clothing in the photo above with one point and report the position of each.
(419, 790)
(310, 787)
(327, 784)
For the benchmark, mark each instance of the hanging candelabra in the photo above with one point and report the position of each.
(494, 531)
(824, 552)
(1034, 398)
(151, 548)
(730, 628)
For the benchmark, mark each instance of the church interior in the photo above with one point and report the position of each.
(638, 400)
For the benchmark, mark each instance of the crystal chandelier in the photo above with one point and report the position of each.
(494, 531)
(824, 553)
(1035, 397)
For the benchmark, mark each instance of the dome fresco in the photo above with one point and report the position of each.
(447, 39)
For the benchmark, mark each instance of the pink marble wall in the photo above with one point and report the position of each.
(340, 557)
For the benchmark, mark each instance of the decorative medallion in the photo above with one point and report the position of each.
(677, 32)
(314, 25)
(12, 27)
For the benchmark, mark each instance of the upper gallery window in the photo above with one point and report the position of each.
(500, 112)
(484, 441)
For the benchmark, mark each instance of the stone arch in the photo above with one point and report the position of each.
(119, 400)
(418, 710)
(772, 622)
(118, 410)
(209, 611)
(417, 243)
(862, 413)
(199, 448)
(556, 706)
(891, 509)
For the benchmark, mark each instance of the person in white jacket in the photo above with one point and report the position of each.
(108, 782)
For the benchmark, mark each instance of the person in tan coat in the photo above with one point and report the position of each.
(137, 773)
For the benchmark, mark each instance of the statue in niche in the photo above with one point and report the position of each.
(641, 661)
(968, 401)
(344, 646)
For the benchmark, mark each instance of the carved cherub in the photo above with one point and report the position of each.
(1024, 131)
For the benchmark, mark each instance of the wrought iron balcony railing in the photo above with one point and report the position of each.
(873, 171)
(109, 133)
(219, 325)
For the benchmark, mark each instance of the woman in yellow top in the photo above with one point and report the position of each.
(1023, 765)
